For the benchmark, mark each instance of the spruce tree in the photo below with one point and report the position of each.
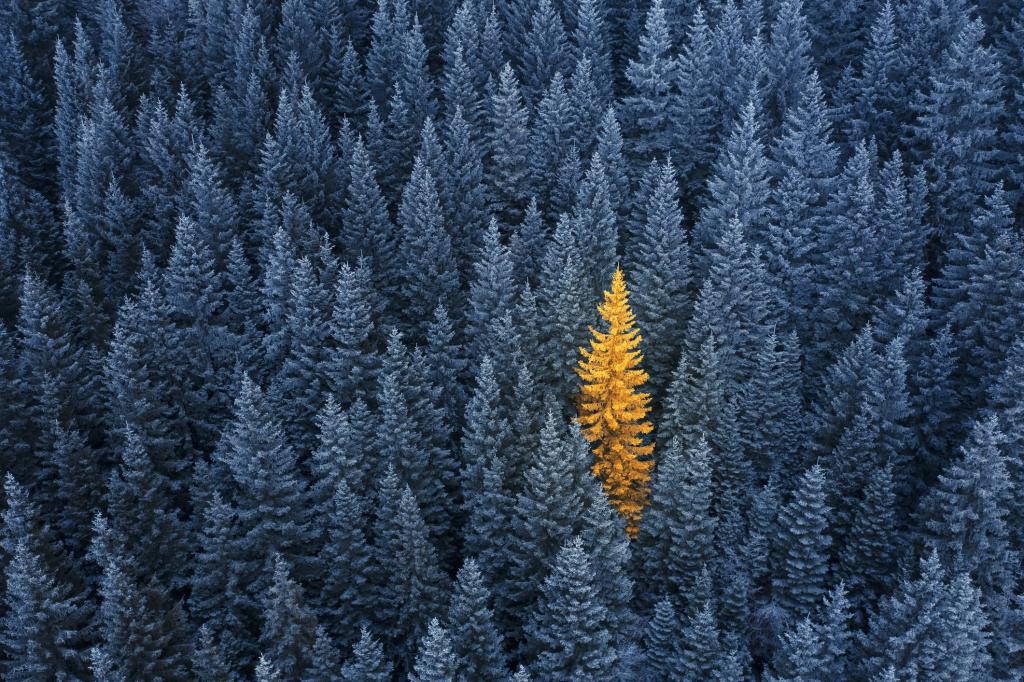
(508, 147)
(476, 641)
(435, 661)
(289, 628)
(367, 663)
(802, 563)
(659, 260)
(651, 77)
(569, 629)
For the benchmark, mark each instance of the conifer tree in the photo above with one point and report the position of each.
(659, 258)
(651, 76)
(801, 573)
(702, 649)
(508, 164)
(663, 643)
(677, 535)
(957, 129)
(476, 642)
(367, 663)
(43, 630)
(430, 275)
(346, 597)
(289, 628)
(612, 410)
(932, 625)
(569, 629)
(435, 661)
(141, 630)
(413, 585)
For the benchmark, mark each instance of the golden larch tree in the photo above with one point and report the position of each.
(612, 409)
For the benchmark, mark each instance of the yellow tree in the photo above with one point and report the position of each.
(612, 411)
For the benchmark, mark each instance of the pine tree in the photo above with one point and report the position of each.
(289, 628)
(867, 561)
(430, 275)
(546, 512)
(788, 59)
(802, 568)
(663, 643)
(491, 293)
(659, 258)
(326, 663)
(612, 411)
(413, 585)
(476, 642)
(351, 365)
(569, 629)
(43, 630)
(508, 163)
(346, 597)
(140, 505)
(932, 625)
(367, 663)
(546, 49)
(957, 129)
(677, 535)
(369, 231)
(141, 629)
(651, 77)
(702, 648)
(435, 661)
(965, 519)
(268, 499)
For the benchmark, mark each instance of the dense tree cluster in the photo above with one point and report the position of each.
(292, 302)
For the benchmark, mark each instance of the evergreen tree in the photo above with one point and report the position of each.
(430, 275)
(677, 535)
(44, 627)
(413, 585)
(663, 643)
(269, 503)
(141, 630)
(651, 77)
(367, 663)
(346, 598)
(659, 260)
(326, 663)
(932, 625)
(702, 650)
(508, 163)
(569, 629)
(957, 128)
(476, 642)
(546, 49)
(802, 568)
(289, 628)
(435, 661)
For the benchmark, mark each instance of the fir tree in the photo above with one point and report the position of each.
(508, 157)
(289, 628)
(801, 573)
(569, 629)
(651, 77)
(677, 535)
(367, 663)
(413, 585)
(476, 642)
(435, 661)
(663, 643)
(660, 263)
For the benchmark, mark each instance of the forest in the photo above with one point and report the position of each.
(511, 340)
